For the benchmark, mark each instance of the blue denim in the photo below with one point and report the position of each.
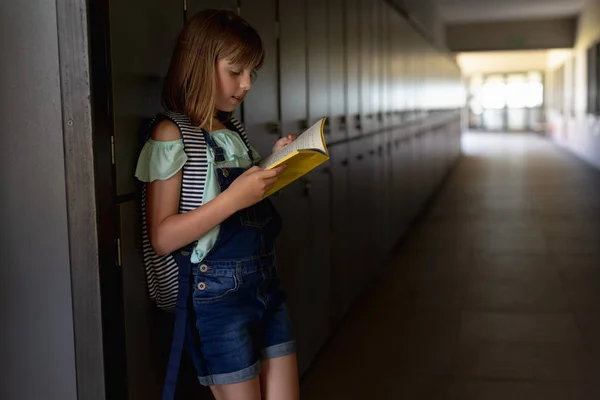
(231, 310)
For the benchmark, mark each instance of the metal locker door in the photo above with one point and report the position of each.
(390, 193)
(376, 65)
(293, 202)
(317, 312)
(366, 54)
(353, 57)
(336, 70)
(378, 197)
(139, 56)
(342, 236)
(260, 106)
(317, 305)
(386, 82)
(317, 37)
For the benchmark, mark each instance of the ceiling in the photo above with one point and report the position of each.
(464, 11)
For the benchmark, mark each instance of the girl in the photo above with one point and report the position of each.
(234, 325)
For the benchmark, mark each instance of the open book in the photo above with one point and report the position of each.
(301, 156)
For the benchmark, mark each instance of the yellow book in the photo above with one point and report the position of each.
(301, 156)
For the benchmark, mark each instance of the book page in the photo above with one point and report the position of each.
(309, 139)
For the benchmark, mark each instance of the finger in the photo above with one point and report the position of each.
(254, 168)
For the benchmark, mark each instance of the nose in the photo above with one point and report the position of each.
(246, 82)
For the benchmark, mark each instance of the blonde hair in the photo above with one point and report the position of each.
(211, 35)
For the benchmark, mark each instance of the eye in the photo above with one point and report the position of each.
(235, 73)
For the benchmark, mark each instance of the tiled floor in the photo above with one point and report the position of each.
(495, 295)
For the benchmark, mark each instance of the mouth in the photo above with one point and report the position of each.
(237, 99)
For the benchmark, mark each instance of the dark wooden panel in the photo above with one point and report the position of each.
(337, 53)
(262, 101)
(352, 38)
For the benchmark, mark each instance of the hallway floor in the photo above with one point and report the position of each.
(494, 294)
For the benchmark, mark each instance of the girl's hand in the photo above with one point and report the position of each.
(250, 187)
(284, 141)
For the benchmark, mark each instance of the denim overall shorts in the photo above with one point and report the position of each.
(231, 310)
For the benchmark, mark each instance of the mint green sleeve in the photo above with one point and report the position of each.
(160, 160)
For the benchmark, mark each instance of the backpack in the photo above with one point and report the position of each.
(162, 271)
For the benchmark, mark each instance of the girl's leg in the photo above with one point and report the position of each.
(279, 378)
(247, 390)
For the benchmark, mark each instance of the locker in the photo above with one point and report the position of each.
(260, 106)
(361, 210)
(317, 38)
(293, 201)
(386, 82)
(342, 225)
(144, 369)
(336, 51)
(292, 73)
(379, 196)
(366, 60)
(139, 56)
(353, 57)
(376, 65)
(317, 287)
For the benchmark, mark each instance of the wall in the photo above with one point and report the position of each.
(511, 35)
(572, 128)
(37, 353)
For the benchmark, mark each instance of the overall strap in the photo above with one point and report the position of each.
(218, 152)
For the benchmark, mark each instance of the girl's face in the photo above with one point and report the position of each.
(233, 82)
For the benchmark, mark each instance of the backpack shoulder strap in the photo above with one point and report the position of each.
(194, 170)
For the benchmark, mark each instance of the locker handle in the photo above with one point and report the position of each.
(343, 122)
(359, 157)
(344, 162)
(357, 124)
(275, 127)
(371, 152)
(303, 124)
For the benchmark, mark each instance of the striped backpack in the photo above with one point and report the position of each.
(162, 271)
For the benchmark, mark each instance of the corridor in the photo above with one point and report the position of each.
(494, 294)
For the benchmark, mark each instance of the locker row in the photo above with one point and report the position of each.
(342, 221)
